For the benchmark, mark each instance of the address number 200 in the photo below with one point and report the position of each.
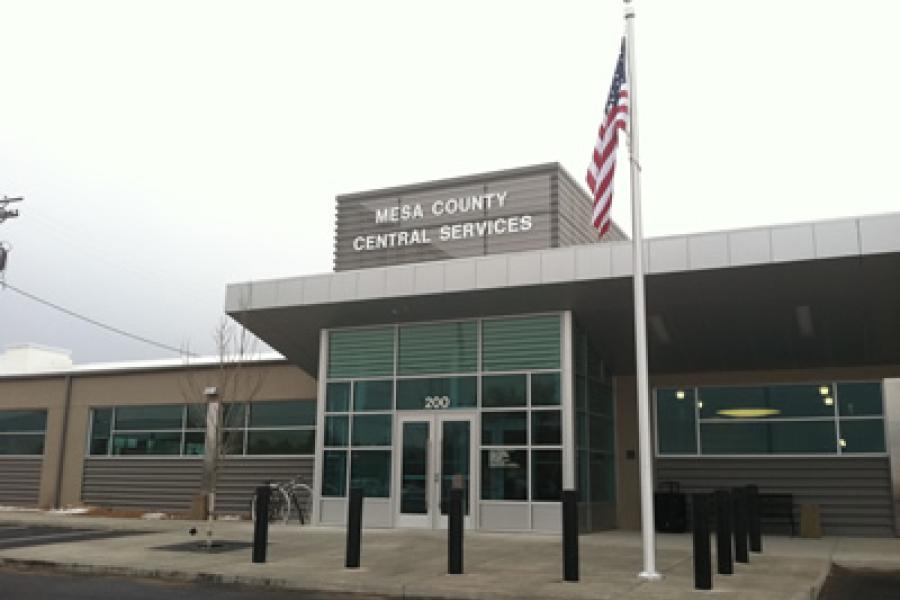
(437, 401)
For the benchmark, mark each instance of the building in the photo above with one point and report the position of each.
(476, 328)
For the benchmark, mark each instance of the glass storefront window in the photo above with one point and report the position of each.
(278, 442)
(862, 435)
(281, 413)
(337, 397)
(676, 422)
(21, 444)
(784, 437)
(337, 431)
(545, 389)
(436, 393)
(859, 399)
(503, 428)
(17, 421)
(762, 402)
(161, 443)
(371, 470)
(546, 475)
(372, 395)
(334, 473)
(146, 418)
(371, 430)
(546, 428)
(503, 390)
(504, 474)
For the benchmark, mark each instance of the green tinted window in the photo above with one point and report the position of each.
(295, 413)
(676, 422)
(504, 474)
(546, 475)
(196, 416)
(21, 443)
(101, 422)
(194, 443)
(337, 431)
(545, 390)
(859, 399)
(775, 401)
(134, 418)
(517, 344)
(600, 397)
(371, 471)
(438, 348)
(371, 430)
(361, 352)
(414, 394)
(291, 441)
(150, 444)
(799, 437)
(503, 428)
(233, 414)
(546, 428)
(503, 390)
(334, 473)
(22, 420)
(862, 435)
(372, 395)
(337, 397)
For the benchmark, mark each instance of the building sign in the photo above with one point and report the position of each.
(417, 232)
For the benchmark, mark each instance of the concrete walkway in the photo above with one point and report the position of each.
(413, 564)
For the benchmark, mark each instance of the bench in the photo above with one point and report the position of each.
(777, 509)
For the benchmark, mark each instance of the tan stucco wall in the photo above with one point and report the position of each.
(173, 386)
(627, 483)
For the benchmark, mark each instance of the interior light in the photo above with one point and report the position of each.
(744, 413)
(842, 442)
(829, 401)
(680, 394)
(699, 403)
(824, 390)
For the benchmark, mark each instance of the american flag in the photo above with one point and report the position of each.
(603, 162)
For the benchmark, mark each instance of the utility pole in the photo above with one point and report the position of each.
(6, 213)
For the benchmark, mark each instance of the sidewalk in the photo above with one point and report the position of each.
(413, 564)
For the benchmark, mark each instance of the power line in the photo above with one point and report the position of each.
(72, 313)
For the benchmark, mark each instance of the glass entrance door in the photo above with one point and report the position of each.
(435, 453)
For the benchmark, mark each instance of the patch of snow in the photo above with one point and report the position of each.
(154, 516)
(18, 509)
(75, 510)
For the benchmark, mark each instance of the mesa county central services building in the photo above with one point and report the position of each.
(476, 327)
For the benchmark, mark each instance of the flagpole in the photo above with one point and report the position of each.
(640, 316)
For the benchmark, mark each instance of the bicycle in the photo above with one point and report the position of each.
(285, 496)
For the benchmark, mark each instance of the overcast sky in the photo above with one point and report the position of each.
(167, 148)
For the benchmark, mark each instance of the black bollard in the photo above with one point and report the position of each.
(755, 525)
(354, 528)
(723, 532)
(570, 535)
(455, 533)
(261, 523)
(739, 499)
(702, 558)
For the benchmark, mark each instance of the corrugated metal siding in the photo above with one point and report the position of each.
(527, 195)
(21, 480)
(169, 484)
(854, 493)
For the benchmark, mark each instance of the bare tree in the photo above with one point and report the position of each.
(227, 388)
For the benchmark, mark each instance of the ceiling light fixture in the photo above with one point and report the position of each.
(824, 390)
(680, 394)
(748, 413)
(829, 401)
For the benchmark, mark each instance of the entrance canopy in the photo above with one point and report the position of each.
(819, 294)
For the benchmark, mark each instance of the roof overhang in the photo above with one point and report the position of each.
(794, 296)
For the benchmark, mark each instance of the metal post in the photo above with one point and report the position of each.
(261, 524)
(570, 535)
(755, 526)
(723, 532)
(740, 525)
(640, 315)
(354, 528)
(455, 532)
(702, 558)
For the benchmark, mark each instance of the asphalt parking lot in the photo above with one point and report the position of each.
(13, 535)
